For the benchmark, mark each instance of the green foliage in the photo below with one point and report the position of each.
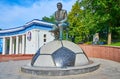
(115, 44)
(76, 27)
(101, 15)
(49, 19)
(89, 42)
(116, 32)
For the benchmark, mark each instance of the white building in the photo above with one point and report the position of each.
(26, 39)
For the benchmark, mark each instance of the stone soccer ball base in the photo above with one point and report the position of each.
(60, 58)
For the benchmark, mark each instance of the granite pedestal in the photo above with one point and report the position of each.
(60, 58)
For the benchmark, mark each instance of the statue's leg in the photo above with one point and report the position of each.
(60, 32)
(55, 30)
(61, 27)
(66, 33)
(56, 35)
(55, 27)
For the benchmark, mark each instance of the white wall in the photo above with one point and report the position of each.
(37, 40)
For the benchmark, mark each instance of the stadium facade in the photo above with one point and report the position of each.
(26, 39)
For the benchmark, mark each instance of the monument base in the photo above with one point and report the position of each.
(60, 57)
(57, 71)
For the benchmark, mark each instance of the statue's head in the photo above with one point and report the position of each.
(59, 5)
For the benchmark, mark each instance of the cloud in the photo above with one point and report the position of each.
(23, 3)
(18, 15)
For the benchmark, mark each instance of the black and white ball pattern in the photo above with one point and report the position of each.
(60, 54)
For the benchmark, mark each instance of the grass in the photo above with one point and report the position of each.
(115, 44)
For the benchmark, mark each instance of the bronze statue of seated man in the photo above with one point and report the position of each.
(61, 22)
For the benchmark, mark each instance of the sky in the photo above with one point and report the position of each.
(15, 13)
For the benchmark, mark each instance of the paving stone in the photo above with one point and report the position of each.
(108, 70)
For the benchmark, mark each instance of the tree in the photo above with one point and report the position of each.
(103, 13)
(49, 19)
(76, 27)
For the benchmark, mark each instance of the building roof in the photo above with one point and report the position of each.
(34, 24)
(28, 24)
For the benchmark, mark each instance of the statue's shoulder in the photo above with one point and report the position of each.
(61, 10)
(64, 10)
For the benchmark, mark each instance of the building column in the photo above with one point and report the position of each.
(4, 46)
(17, 44)
(23, 44)
(11, 46)
(20, 45)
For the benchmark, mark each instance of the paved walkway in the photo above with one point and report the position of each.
(108, 70)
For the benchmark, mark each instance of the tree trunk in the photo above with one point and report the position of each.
(109, 38)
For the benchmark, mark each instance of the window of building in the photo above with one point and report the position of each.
(44, 40)
(44, 36)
